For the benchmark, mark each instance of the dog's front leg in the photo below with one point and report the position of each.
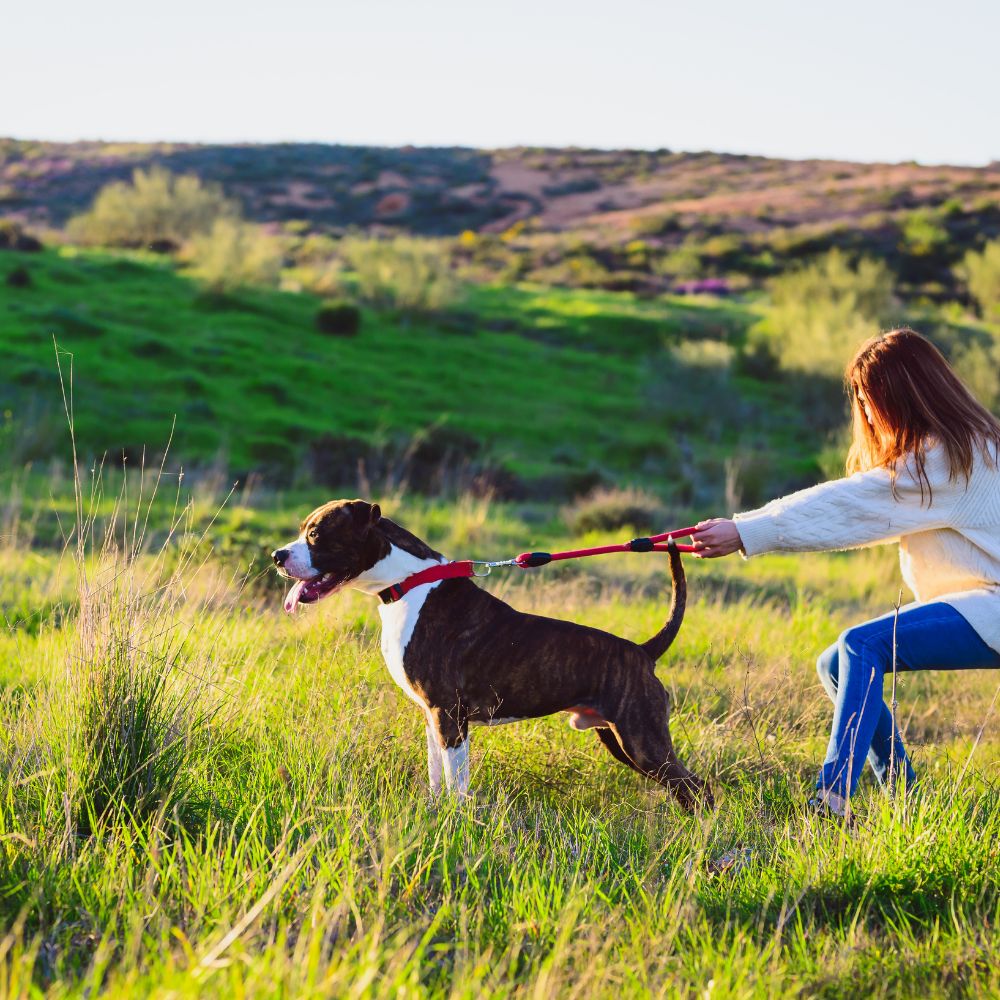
(434, 756)
(456, 768)
(452, 732)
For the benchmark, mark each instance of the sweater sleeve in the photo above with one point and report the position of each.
(853, 512)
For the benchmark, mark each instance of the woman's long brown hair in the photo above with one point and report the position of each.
(914, 395)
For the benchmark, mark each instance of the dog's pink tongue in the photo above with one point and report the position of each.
(292, 599)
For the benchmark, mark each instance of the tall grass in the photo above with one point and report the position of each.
(136, 698)
(280, 842)
(123, 728)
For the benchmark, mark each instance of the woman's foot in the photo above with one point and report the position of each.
(830, 805)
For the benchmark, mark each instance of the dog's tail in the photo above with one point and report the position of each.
(660, 643)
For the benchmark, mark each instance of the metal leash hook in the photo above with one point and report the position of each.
(488, 566)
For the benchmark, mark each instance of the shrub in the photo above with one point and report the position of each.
(658, 224)
(335, 459)
(684, 262)
(13, 237)
(157, 208)
(923, 234)
(340, 319)
(20, 277)
(981, 274)
(820, 313)
(978, 365)
(234, 254)
(316, 248)
(579, 269)
(609, 509)
(437, 461)
(402, 273)
(321, 278)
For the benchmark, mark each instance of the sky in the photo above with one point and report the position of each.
(874, 81)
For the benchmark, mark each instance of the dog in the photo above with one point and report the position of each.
(464, 657)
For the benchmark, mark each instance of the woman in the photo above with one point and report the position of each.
(924, 471)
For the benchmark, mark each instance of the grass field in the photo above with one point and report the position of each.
(204, 797)
(200, 796)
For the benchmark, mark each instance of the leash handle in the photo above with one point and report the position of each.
(529, 560)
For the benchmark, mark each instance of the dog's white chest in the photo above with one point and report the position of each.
(398, 622)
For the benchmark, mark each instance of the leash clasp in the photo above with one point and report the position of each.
(485, 567)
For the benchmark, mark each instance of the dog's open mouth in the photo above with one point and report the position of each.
(310, 591)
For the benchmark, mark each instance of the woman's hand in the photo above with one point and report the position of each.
(718, 536)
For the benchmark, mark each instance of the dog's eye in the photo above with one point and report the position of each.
(313, 535)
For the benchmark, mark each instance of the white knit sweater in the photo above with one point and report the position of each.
(948, 551)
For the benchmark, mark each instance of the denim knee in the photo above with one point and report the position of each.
(828, 669)
(861, 641)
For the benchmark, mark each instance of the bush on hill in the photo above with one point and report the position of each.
(235, 254)
(978, 364)
(923, 233)
(436, 461)
(323, 278)
(981, 274)
(608, 509)
(579, 269)
(819, 314)
(340, 319)
(20, 277)
(157, 208)
(682, 262)
(402, 273)
(13, 237)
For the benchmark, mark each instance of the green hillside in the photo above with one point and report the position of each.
(554, 389)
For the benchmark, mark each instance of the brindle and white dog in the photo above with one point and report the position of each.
(465, 657)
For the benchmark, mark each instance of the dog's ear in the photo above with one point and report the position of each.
(364, 514)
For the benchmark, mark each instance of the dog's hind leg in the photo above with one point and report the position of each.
(610, 741)
(640, 722)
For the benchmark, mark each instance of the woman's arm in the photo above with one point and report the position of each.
(841, 514)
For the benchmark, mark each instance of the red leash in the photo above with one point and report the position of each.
(529, 560)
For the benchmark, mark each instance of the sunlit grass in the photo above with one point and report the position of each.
(294, 851)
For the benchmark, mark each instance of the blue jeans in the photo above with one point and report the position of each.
(928, 637)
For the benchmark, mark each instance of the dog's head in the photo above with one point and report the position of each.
(337, 543)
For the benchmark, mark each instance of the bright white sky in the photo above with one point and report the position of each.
(856, 80)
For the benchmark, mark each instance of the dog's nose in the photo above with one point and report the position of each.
(279, 556)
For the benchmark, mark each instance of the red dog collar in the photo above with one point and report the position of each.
(446, 571)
